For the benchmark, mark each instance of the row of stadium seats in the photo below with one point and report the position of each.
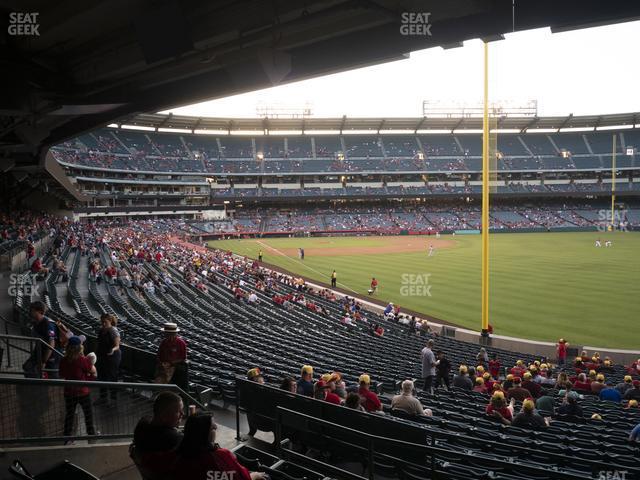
(157, 163)
(227, 336)
(418, 218)
(352, 146)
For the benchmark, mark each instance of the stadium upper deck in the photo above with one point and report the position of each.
(525, 144)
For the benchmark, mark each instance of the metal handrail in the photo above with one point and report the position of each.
(81, 383)
(130, 387)
(434, 435)
(9, 322)
(30, 339)
(427, 449)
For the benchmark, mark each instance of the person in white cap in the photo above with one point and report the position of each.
(172, 358)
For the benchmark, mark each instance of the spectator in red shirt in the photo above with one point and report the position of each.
(31, 250)
(75, 366)
(494, 366)
(374, 286)
(530, 385)
(37, 267)
(489, 382)
(368, 399)
(498, 408)
(634, 368)
(562, 352)
(110, 273)
(518, 370)
(323, 390)
(517, 391)
(172, 358)
(480, 386)
(198, 455)
(581, 384)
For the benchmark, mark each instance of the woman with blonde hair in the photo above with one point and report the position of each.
(75, 366)
(499, 408)
(108, 353)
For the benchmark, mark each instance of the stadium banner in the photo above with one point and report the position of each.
(466, 232)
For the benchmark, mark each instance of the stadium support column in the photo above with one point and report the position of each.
(485, 197)
(613, 184)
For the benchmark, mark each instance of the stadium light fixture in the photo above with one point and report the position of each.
(285, 132)
(541, 130)
(138, 127)
(467, 130)
(174, 130)
(211, 132)
(505, 130)
(434, 131)
(322, 132)
(614, 127)
(359, 132)
(113, 125)
(247, 132)
(577, 129)
(396, 132)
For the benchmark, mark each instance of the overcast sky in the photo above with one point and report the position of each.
(589, 71)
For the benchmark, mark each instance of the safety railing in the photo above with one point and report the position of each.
(261, 403)
(44, 410)
(23, 355)
(373, 449)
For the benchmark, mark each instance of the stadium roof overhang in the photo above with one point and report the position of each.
(92, 63)
(376, 125)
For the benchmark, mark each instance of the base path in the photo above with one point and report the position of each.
(401, 244)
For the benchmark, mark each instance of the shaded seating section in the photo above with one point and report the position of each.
(362, 146)
(463, 435)
(571, 142)
(168, 152)
(299, 147)
(327, 146)
(236, 147)
(539, 144)
(400, 146)
(270, 147)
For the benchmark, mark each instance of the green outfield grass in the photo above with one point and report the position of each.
(543, 285)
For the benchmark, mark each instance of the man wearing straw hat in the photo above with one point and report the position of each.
(172, 358)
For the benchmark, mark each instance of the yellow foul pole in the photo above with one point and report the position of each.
(485, 196)
(613, 183)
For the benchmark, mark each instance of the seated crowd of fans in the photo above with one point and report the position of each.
(521, 394)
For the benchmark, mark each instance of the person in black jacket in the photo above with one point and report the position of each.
(108, 353)
(443, 369)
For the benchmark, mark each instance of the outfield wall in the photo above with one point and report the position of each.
(513, 344)
(370, 232)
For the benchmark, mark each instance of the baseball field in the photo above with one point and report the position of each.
(542, 285)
